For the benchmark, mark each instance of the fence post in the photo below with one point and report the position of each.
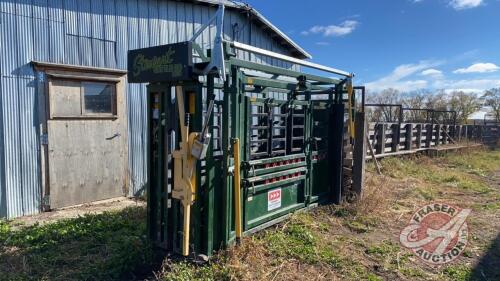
(380, 131)
(438, 135)
(419, 135)
(359, 154)
(409, 136)
(396, 133)
(429, 134)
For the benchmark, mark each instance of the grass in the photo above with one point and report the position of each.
(109, 246)
(299, 240)
(478, 162)
(184, 271)
(458, 272)
(357, 241)
(447, 175)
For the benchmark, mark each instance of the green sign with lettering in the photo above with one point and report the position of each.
(172, 62)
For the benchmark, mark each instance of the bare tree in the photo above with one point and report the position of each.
(492, 98)
(385, 113)
(464, 104)
(437, 101)
(414, 101)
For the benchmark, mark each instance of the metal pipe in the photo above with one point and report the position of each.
(350, 108)
(237, 189)
(186, 230)
(275, 55)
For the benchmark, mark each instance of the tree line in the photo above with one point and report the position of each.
(448, 106)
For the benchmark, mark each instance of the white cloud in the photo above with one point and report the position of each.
(467, 85)
(479, 68)
(321, 43)
(431, 72)
(465, 90)
(396, 80)
(424, 75)
(465, 4)
(346, 27)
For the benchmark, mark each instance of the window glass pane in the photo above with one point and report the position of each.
(98, 97)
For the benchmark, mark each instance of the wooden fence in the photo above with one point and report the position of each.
(402, 138)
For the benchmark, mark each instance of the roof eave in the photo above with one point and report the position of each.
(298, 51)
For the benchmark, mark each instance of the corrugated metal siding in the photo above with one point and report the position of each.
(91, 33)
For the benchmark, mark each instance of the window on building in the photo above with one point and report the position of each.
(82, 99)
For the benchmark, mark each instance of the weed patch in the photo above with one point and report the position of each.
(107, 246)
(458, 272)
(478, 162)
(184, 271)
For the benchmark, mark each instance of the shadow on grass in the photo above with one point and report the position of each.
(488, 268)
(108, 246)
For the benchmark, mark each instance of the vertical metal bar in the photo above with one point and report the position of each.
(400, 121)
(308, 138)
(380, 133)
(151, 207)
(195, 95)
(161, 185)
(176, 205)
(359, 154)
(336, 149)
(237, 189)
(228, 91)
(209, 196)
(270, 132)
(171, 118)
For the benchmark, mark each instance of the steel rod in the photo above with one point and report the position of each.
(237, 189)
(260, 51)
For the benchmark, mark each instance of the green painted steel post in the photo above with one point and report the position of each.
(194, 91)
(335, 148)
(308, 140)
(161, 156)
(227, 202)
(209, 197)
(236, 124)
(151, 207)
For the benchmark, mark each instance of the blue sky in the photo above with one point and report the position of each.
(403, 44)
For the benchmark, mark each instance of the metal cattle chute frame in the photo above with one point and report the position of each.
(235, 146)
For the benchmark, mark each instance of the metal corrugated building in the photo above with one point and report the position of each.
(96, 33)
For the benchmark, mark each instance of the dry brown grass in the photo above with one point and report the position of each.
(359, 241)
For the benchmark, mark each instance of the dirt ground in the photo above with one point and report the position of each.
(109, 205)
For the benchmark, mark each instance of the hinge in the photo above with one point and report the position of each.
(44, 139)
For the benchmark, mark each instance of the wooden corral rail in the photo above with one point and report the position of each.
(392, 139)
(389, 139)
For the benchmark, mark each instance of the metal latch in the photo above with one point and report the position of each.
(200, 146)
